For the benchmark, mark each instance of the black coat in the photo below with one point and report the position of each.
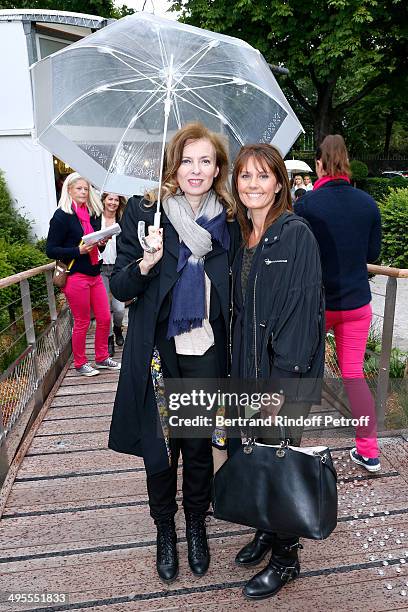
(134, 424)
(279, 330)
(63, 238)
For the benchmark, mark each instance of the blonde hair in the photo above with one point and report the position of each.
(94, 204)
(174, 156)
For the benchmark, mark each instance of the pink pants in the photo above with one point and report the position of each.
(351, 329)
(83, 292)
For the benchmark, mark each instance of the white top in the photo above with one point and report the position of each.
(197, 341)
(309, 187)
(109, 254)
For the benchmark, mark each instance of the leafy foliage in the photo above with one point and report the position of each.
(394, 214)
(379, 188)
(337, 51)
(359, 170)
(6, 295)
(14, 226)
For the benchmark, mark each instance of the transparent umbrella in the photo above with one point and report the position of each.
(107, 104)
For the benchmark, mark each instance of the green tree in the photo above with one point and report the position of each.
(102, 8)
(379, 122)
(14, 227)
(337, 51)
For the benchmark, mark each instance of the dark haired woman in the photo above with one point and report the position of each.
(181, 317)
(113, 209)
(278, 331)
(347, 226)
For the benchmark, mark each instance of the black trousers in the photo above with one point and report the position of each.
(196, 453)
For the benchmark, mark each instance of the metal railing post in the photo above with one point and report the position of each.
(29, 324)
(52, 305)
(386, 347)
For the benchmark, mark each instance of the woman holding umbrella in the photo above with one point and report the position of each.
(181, 315)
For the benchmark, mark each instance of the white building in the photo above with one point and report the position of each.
(27, 36)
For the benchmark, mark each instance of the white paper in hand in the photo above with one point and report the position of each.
(108, 232)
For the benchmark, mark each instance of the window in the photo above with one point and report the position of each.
(47, 45)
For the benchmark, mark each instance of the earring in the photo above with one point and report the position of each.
(249, 214)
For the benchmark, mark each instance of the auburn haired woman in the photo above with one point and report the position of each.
(180, 320)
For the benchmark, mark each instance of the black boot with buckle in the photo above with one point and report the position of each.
(167, 559)
(119, 339)
(282, 567)
(253, 552)
(111, 346)
(198, 553)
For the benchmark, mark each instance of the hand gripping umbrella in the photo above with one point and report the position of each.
(107, 104)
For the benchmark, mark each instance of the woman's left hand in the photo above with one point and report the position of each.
(103, 242)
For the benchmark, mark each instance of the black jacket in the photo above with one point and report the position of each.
(135, 417)
(63, 238)
(280, 327)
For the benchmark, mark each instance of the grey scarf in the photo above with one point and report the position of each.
(196, 232)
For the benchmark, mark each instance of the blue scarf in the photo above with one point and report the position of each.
(188, 303)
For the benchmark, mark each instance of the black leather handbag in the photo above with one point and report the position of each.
(283, 489)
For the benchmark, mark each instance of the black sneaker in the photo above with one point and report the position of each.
(372, 464)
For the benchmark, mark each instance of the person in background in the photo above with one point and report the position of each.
(347, 225)
(299, 193)
(181, 320)
(308, 182)
(113, 208)
(78, 213)
(297, 184)
(278, 326)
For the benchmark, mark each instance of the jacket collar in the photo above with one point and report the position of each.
(273, 233)
(333, 183)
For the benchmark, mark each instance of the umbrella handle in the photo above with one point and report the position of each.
(156, 222)
(141, 234)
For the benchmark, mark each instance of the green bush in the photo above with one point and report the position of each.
(23, 257)
(379, 188)
(394, 215)
(359, 171)
(41, 245)
(14, 226)
(6, 294)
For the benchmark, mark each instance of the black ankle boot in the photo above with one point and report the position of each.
(167, 559)
(282, 567)
(119, 339)
(198, 553)
(111, 346)
(255, 551)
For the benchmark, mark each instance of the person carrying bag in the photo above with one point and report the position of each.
(277, 341)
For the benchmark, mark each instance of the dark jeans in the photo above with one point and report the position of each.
(196, 453)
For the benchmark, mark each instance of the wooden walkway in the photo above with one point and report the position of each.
(76, 522)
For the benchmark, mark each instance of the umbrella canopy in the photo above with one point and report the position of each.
(296, 165)
(106, 104)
